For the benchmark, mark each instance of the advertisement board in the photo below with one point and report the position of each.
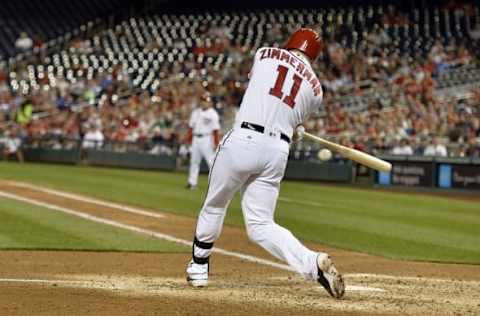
(408, 173)
(459, 176)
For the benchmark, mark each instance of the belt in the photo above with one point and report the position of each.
(200, 135)
(261, 129)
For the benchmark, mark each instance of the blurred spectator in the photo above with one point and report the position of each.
(435, 148)
(161, 144)
(403, 148)
(472, 148)
(38, 40)
(23, 43)
(24, 113)
(93, 138)
(12, 145)
(475, 32)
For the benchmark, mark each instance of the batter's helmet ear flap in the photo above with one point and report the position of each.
(307, 41)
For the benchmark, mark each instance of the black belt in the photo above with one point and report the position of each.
(261, 129)
(200, 135)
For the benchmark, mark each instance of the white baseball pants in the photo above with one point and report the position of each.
(253, 163)
(202, 147)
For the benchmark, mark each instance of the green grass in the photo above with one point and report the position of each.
(24, 226)
(395, 225)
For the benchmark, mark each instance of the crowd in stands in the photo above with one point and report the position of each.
(108, 110)
(27, 25)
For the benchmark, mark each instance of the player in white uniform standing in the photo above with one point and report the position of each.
(202, 134)
(282, 92)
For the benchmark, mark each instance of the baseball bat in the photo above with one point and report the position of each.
(350, 153)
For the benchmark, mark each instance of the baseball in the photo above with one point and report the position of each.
(324, 154)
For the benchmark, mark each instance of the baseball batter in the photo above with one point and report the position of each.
(282, 92)
(203, 136)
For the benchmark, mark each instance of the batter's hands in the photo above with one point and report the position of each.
(298, 134)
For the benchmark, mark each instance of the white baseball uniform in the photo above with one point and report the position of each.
(282, 92)
(203, 123)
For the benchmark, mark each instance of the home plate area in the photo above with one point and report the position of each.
(370, 294)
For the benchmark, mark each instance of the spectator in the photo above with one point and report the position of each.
(403, 148)
(13, 145)
(160, 143)
(475, 32)
(23, 43)
(24, 114)
(472, 148)
(435, 148)
(93, 138)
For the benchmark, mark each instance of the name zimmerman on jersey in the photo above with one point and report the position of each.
(301, 69)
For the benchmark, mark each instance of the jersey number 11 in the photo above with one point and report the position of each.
(277, 88)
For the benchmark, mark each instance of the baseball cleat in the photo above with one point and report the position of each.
(329, 277)
(197, 274)
(190, 187)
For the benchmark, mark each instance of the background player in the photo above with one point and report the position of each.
(283, 90)
(203, 135)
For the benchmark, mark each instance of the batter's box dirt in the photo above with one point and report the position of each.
(407, 296)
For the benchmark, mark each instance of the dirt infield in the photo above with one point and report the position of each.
(79, 283)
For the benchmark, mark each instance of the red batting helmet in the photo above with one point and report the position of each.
(307, 41)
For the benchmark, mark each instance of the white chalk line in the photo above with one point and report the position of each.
(158, 235)
(293, 201)
(359, 288)
(82, 198)
(7, 280)
(404, 278)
